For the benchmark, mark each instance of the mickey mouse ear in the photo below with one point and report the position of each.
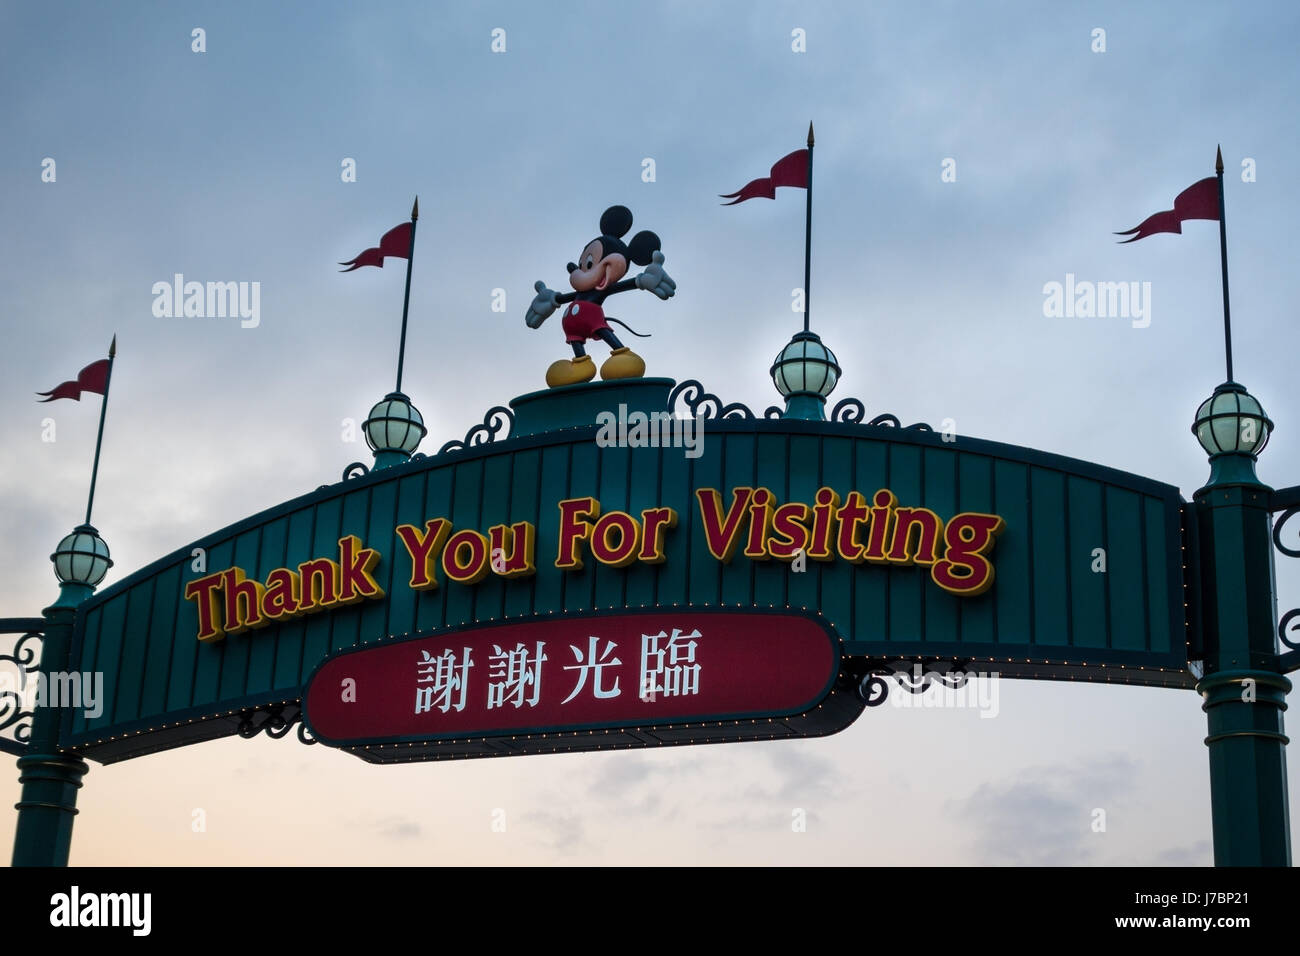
(615, 221)
(643, 247)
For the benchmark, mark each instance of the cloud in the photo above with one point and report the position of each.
(1044, 816)
(803, 774)
(619, 774)
(397, 828)
(563, 832)
(1200, 853)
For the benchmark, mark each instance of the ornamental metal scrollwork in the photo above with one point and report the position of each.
(497, 425)
(873, 686)
(848, 410)
(892, 421)
(772, 411)
(873, 689)
(911, 678)
(24, 659)
(274, 720)
(1284, 625)
(356, 470)
(704, 404)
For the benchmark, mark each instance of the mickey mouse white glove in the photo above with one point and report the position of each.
(655, 280)
(543, 305)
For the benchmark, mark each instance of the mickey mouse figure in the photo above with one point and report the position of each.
(594, 277)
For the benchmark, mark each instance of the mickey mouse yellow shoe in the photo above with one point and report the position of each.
(571, 371)
(623, 363)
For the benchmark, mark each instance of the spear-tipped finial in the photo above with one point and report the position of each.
(112, 346)
(1218, 161)
(415, 210)
(810, 133)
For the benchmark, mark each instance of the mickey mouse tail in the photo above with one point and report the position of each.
(610, 318)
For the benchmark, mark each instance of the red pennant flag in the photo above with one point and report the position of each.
(789, 170)
(92, 378)
(396, 243)
(1197, 201)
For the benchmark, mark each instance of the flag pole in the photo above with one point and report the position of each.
(103, 411)
(807, 234)
(1223, 254)
(406, 302)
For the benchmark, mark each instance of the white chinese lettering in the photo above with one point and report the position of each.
(512, 673)
(669, 668)
(592, 664)
(448, 681)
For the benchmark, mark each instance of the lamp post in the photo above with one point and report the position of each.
(50, 780)
(1243, 689)
(805, 372)
(394, 430)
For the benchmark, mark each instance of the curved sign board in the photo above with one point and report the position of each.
(911, 546)
(685, 675)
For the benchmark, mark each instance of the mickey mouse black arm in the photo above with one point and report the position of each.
(627, 285)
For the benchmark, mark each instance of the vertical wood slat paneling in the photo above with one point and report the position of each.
(233, 669)
(1047, 527)
(435, 492)
(675, 471)
(261, 654)
(394, 570)
(1125, 557)
(835, 579)
(1163, 543)
(906, 594)
(1086, 527)
(736, 577)
(409, 502)
(871, 591)
(320, 624)
(1013, 587)
(942, 482)
(703, 584)
(92, 653)
(497, 505)
(548, 588)
(205, 663)
(162, 640)
(466, 508)
(804, 467)
(293, 634)
(644, 480)
(354, 520)
(771, 578)
(977, 622)
(611, 492)
(583, 480)
(121, 690)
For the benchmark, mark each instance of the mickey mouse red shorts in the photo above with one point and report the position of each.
(583, 321)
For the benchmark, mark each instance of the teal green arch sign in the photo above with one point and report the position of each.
(902, 544)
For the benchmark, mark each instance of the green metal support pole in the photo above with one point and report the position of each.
(50, 780)
(1244, 695)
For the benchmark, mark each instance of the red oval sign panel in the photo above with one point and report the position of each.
(548, 676)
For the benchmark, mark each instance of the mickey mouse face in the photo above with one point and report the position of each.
(595, 269)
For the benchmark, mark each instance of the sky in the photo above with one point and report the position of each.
(967, 156)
